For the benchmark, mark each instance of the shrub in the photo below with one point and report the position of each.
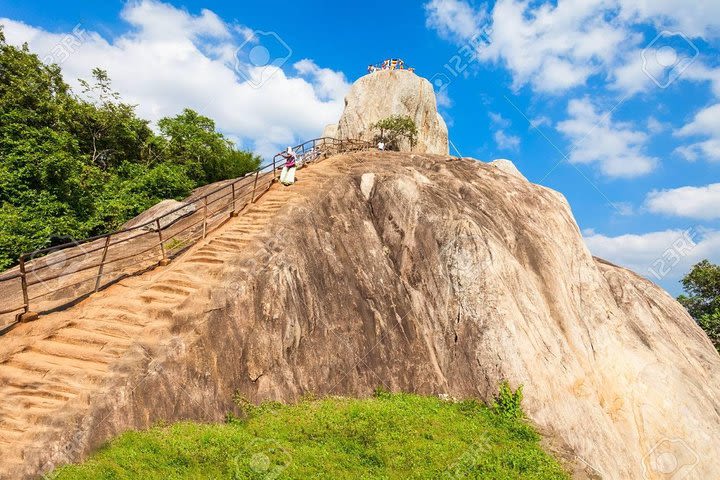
(508, 402)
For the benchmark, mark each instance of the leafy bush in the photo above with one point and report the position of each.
(508, 403)
(394, 129)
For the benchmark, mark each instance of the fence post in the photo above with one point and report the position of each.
(164, 261)
(274, 170)
(234, 212)
(205, 218)
(257, 172)
(102, 263)
(27, 315)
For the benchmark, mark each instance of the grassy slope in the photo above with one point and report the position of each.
(395, 436)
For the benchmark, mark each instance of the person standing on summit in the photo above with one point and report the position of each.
(287, 176)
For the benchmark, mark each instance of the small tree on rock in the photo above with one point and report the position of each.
(394, 129)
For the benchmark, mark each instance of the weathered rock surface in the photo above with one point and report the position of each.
(330, 131)
(167, 211)
(508, 167)
(420, 273)
(394, 92)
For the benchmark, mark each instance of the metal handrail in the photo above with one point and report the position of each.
(29, 263)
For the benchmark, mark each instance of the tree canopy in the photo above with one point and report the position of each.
(80, 164)
(702, 285)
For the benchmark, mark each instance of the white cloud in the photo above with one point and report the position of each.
(628, 75)
(553, 48)
(556, 46)
(616, 147)
(700, 20)
(624, 209)
(454, 19)
(702, 73)
(708, 150)
(664, 255)
(691, 202)
(705, 123)
(171, 59)
(443, 99)
(655, 126)
(506, 142)
(499, 120)
(539, 121)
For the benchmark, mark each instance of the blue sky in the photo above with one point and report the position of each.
(613, 103)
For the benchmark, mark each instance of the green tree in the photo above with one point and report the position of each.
(234, 164)
(45, 185)
(394, 129)
(79, 165)
(702, 285)
(192, 141)
(106, 128)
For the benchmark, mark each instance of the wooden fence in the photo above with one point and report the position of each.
(55, 277)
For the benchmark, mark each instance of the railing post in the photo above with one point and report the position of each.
(102, 263)
(164, 261)
(234, 208)
(274, 170)
(27, 315)
(205, 218)
(257, 172)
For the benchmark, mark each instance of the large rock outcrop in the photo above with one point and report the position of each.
(394, 92)
(420, 273)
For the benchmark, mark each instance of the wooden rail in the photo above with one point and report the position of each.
(56, 268)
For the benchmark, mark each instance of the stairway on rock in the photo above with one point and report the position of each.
(60, 361)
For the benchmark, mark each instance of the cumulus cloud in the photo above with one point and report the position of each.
(540, 121)
(552, 48)
(655, 126)
(690, 202)
(454, 19)
(556, 46)
(171, 59)
(702, 20)
(498, 120)
(664, 255)
(706, 123)
(616, 147)
(506, 142)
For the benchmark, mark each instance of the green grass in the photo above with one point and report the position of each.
(392, 436)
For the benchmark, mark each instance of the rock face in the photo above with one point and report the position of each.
(417, 273)
(162, 210)
(394, 92)
(330, 131)
(508, 167)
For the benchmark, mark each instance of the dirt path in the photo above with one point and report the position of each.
(62, 360)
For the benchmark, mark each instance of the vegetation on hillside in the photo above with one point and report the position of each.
(702, 285)
(391, 436)
(394, 129)
(79, 164)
